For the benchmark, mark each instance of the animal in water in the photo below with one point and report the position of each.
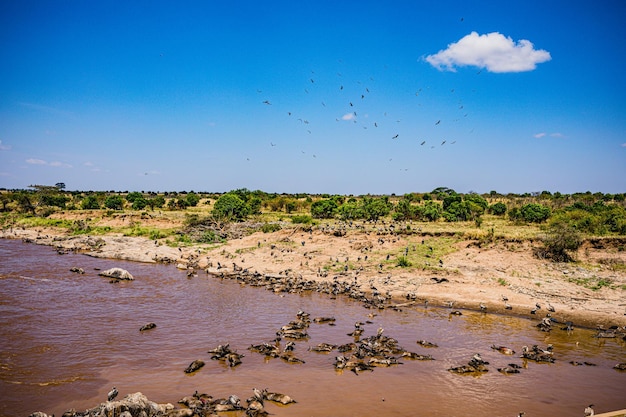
(278, 397)
(509, 370)
(589, 411)
(148, 326)
(112, 394)
(417, 356)
(503, 349)
(620, 366)
(427, 344)
(194, 366)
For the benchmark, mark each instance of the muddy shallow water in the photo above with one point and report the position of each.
(66, 339)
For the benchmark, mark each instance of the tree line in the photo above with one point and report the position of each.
(595, 214)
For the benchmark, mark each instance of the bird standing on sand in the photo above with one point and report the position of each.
(112, 394)
(589, 411)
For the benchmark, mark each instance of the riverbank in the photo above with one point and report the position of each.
(504, 277)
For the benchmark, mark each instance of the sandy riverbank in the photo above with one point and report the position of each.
(468, 277)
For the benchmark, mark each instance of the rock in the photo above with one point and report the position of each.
(135, 404)
(117, 273)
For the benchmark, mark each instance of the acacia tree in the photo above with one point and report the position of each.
(230, 207)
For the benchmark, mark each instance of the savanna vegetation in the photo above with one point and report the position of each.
(561, 222)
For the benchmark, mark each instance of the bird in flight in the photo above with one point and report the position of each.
(395, 137)
(422, 143)
(438, 121)
(267, 102)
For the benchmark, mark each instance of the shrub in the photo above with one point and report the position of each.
(230, 207)
(375, 208)
(301, 219)
(131, 197)
(270, 227)
(350, 211)
(559, 243)
(192, 199)
(323, 209)
(114, 202)
(90, 203)
(139, 203)
(534, 213)
(403, 262)
(498, 209)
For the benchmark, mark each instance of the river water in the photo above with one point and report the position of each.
(66, 339)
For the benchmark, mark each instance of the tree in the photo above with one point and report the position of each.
(114, 202)
(24, 202)
(451, 198)
(192, 199)
(90, 203)
(404, 210)
(254, 205)
(534, 213)
(323, 209)
(131, 197)
(375, 208)
(139, 203)
(498, 209)
(60, 185)
(230, 207)
(476, 199)
(431, 211)
(350, 211)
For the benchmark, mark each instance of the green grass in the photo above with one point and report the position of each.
(593, 283)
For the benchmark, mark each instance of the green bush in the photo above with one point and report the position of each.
(114, 202)
(403, 262)
(90, 203)
(301, 219)
(560, 243)
(231, 208)
(498, 209)
(534, 213)
(270, 227)
(323, 209)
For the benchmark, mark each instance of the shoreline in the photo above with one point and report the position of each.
(469, 277)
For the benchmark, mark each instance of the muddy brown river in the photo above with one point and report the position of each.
(66, 339)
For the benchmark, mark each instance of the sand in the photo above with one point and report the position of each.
(468, 277)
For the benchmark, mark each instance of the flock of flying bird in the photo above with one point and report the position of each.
(355, 104)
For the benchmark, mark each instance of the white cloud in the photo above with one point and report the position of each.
(348, 116)
(492, 51)
(552, 135)
(4, 147)
(35, 161)
(623, 145)
(59, 164)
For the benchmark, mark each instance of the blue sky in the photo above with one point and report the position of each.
(349, 97)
